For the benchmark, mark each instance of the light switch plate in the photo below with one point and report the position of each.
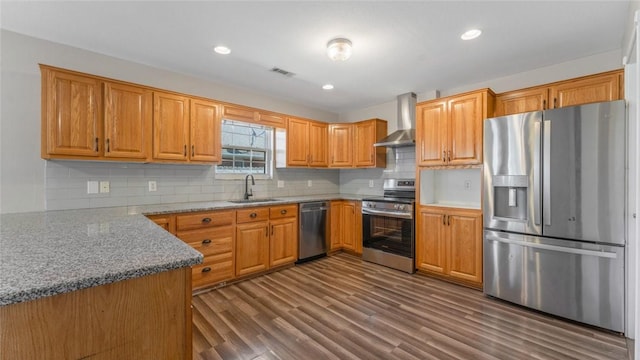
(309, 183)
(370, 183)
(280, 183)
(153, 186)
(467, 184)
(92, 187)
(104, 187)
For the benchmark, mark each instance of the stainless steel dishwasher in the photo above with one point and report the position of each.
(313, 230)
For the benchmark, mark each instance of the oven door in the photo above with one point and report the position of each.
(388, 232)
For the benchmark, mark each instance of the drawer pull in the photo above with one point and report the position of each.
(206, 241)
(253, 215)
(207, 269)
(282, 212)
(206, 220)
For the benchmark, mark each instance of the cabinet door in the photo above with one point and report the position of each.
(127, 121)
(591, 89)
(430, 243)
(72, 116)
(465, 130)
(365, 136)
(349, 225)
(358, 228)
(336, 225)
(431, 128)
(283, 242)
(252, 247)
(205, 131)
(170, 126)
(521, 101)
(341, 145)
(318, 142)
(297, 142)
(465, 242)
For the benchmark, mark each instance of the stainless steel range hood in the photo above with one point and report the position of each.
(406, 133)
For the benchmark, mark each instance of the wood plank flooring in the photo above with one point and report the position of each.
(343, 308)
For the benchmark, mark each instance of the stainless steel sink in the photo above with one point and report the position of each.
(248, 201)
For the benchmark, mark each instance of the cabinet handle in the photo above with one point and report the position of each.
(266, 233)
(253, 215)
(555, 103)
(448, 220)
(271, 230)
(193, 150)
(282, 212)
(448, 155)
(97, 142)
(206, 220)
(207, 269)
(544, 104)
(185, 150)
(444, 156)
(108, 147)
(206, 241)
(444, 219)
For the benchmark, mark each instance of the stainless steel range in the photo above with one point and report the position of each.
(388, 226)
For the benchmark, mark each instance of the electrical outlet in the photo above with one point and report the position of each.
(467, 184)
(280, 183)
(309, 183)
(153, 186)
(370, 183)
(104, 187)
(92, 187)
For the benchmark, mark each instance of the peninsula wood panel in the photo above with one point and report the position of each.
(205, 134)
(170, 126)
(341, 307)
(71, 117)
(143, 318)
(128, 114)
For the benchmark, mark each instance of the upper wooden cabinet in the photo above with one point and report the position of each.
(246, 114)
(185, 129)
(307, 143)
(605, 86)
(449, 130)
(341, 145)
(367, 133)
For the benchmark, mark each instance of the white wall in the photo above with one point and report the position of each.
(22, 172)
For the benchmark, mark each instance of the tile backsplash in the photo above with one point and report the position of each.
(66, 182)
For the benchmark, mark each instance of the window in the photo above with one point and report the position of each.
(246, 148)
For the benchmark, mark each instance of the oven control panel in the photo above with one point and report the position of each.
(387, 206)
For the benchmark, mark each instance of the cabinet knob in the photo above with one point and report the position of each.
(283, 212)
(253, 215)
(207, 269)
(206, 241)
(206, 220)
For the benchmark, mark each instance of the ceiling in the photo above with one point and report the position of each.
(397, 46)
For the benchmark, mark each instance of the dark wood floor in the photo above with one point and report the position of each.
(343, 308)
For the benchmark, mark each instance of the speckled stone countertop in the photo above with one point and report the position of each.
(218, 205)
(54, 252)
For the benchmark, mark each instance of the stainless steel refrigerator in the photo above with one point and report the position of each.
(554, 211)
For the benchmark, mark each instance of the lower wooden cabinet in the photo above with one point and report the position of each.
(252, 247)
(283, 242)
(449, 244)
(346, 226)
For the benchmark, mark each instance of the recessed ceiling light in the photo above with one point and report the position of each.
(327, 87)
(222, 50)
(471, 34)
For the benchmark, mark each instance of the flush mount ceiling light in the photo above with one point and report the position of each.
(222, 50)
(339, 49)
(471, 34)
(327, 87)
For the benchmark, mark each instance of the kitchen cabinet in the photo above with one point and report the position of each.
(341, 145)
(205, 132)
(86, 117)
(213, 235)
(367, 133)
(247, 114)
(449, 244)
(307, 143)
(449, 130)
(346, 226)
(605, 86)
(165, 221)
(265, 238)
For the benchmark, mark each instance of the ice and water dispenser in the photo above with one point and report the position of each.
(510, 197)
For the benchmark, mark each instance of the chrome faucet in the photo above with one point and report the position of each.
(247, 191)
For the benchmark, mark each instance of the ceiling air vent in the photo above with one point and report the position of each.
(282, 72)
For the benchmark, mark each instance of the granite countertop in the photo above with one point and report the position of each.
(54, 252)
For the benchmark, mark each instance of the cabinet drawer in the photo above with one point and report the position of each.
(284, 211)
(204, 220)
(210, 241)
(253, 214)
(214, 269)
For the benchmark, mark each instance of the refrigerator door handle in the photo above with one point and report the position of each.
(536, 172)
(546, 176)
(568, 250)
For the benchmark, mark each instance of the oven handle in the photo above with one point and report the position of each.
(386, 213)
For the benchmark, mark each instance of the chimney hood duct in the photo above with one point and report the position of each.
(406, 133)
